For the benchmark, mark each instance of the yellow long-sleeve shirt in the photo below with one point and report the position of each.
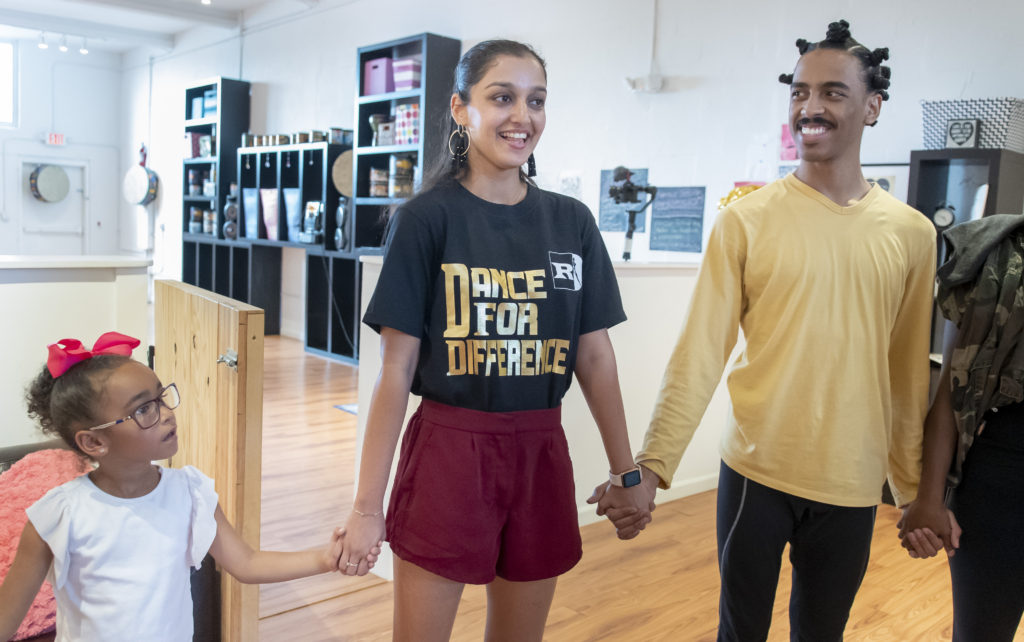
(829, 395)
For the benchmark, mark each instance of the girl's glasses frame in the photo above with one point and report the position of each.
(168, 398)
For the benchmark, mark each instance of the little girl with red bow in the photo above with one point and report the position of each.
(119, 543)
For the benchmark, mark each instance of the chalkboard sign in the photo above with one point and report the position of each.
(612, 217)
(677, 219)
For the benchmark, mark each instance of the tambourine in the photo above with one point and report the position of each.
(140, 184)
(49, 183)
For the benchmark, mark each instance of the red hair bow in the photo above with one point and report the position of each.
(67, 352)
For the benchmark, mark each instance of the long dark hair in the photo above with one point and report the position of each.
(62, 406)
(471, 68)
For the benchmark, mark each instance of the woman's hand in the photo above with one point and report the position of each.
(364, 535)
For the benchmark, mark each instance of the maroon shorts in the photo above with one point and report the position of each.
(484, 494)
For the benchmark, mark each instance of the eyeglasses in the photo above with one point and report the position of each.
(148, 414)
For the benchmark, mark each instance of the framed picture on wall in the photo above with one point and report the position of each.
(892, 177)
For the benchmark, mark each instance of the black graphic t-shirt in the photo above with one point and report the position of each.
(498, 295)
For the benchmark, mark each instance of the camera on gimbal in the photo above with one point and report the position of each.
(629, 192)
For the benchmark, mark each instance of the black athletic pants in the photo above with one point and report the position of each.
(829, 548)
(988, 568)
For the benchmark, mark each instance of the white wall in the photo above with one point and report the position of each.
(46, 299)
(80, 97)
(718, 121)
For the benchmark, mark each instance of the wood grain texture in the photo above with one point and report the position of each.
(220, 414)
(662, 585)
(308, 459)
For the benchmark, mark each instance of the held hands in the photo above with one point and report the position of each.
(628, 509)
(364, 535)
(329, 556)
(927, 528)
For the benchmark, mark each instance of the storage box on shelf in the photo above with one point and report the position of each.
(414, 100)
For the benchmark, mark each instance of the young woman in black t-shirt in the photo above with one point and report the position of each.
(492, 294)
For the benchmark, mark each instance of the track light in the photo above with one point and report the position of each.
(42, 41)
(84, 49)
(63, 47)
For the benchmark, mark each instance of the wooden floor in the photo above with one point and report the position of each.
(308, 459)
(661, 586)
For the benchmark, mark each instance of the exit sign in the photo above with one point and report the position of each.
(54, 138)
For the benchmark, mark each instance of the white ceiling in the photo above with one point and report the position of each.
(119, 25)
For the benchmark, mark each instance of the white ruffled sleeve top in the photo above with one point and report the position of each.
(121, 567)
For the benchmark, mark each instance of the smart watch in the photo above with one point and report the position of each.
(627, 479)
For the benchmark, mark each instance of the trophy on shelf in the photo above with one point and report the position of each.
(375, 121)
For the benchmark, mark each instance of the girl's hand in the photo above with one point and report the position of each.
(331, 553)
(364, 535)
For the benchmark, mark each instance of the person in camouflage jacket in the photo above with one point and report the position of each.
(979, 288)
(973, 457)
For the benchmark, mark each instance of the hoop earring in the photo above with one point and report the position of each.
(458, 144)
(531, 166)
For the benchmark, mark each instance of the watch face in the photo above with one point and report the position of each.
(632, 478)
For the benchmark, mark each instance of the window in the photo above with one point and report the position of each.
(7, 84)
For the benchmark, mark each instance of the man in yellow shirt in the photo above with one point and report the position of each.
(830, 279)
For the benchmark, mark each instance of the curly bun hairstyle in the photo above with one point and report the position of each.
(63, 406)
(876, 75)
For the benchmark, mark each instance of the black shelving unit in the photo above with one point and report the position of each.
(249, 268)
(229, 118)
(953, 177)
(332, 304)
(209, 260)
(439, 56)
(304, 167)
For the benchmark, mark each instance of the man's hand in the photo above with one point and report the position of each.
(927, 528)
(628, 509)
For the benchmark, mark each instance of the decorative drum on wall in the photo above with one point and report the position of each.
(139, 187)
(49, 183)
(341, 173)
